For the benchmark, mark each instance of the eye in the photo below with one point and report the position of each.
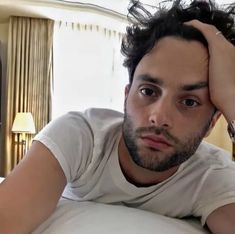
(148, 92)
(190, 103)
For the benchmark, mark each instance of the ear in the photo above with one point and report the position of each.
(215, 117)
(127, 89)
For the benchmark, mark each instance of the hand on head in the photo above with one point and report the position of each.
(221, 68)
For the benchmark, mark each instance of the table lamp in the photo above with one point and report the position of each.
(23, 124)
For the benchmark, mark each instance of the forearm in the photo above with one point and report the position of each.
(222, 220)
(20, 214)
(29, 195)
(229, 112)
(227, 104)
(9, 225)
(12, 218)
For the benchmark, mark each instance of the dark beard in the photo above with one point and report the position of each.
(183, 150)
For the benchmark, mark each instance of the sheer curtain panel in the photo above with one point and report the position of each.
(88, 70)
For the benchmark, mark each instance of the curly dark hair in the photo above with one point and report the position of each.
(147, 28)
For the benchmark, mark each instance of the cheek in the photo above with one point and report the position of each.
(190, 124)
(137, 114)
(193, 122)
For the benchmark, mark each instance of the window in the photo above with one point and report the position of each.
(88, 70)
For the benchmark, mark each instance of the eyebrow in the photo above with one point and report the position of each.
(148, 78)
(187, 87)
(191, 87)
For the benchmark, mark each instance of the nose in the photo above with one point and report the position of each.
(161, 113)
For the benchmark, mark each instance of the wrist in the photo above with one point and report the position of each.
(224, 100)
(229, 114)
(227, 108)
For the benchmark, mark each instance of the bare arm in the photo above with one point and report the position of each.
(222, 220)
(222, 86)
(31, 192)
(221, 69)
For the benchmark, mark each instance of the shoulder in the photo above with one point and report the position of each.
(207, 166)
(207, 148)
(211, 156)
(207, 181)
(91, 119)
(103, 121)
(76, 137)
(214, 173)
(99, 115)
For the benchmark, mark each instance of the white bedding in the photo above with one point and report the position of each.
(73, 217)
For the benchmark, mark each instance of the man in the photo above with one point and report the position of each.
(182, 76)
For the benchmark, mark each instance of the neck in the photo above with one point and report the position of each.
(139, 176)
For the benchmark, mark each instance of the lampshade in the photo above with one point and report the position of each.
(23, 123)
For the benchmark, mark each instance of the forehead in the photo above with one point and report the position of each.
(175, 60)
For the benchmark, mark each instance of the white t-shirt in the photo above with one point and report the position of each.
(86, 146)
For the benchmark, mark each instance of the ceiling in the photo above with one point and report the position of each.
(69, 9)
(59, 9)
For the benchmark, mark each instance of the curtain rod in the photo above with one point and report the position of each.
(87, 6)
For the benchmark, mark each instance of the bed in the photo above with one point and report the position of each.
(73, 217)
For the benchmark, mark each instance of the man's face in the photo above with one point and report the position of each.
(167, 108)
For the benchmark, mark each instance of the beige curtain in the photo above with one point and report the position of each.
(233, 151)
(28, 81)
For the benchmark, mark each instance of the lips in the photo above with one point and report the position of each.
(155, 142)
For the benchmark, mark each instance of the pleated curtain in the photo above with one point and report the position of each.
(28, 83)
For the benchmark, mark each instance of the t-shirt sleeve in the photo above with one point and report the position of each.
(217, 190)
(70, 140)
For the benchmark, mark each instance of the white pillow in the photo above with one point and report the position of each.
(73, 217)
(1, 179)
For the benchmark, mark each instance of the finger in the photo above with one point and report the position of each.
(210, 32)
